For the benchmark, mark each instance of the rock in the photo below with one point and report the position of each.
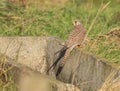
(33, 81)
(87, 71)
(34, 52)
(111, 85)
(27, 79)
(82, 69)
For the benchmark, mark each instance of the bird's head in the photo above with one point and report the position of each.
(76, 22)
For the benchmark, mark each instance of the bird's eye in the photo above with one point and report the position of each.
(76, 23)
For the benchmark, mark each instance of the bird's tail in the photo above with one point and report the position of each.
(61, 54)
(63, 61)
(67, 53)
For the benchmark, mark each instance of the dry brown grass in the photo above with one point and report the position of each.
(110, 83)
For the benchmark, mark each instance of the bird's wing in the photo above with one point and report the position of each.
(76, 36)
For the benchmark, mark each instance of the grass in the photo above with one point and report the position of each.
(43, 18)
(34, 20)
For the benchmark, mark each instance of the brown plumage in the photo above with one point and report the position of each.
(75, 38)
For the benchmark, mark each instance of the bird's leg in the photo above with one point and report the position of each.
(80, 46)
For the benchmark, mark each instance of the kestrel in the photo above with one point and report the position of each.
(76, 38)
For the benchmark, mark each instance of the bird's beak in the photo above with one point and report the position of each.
(74, 23)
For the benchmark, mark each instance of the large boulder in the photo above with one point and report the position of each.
(34, 52)
(82, 69)
(29, 80)
(89, 72)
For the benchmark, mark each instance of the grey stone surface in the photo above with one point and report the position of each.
(29, 80)
(82, 69)
(87, 71)
(35, 52)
